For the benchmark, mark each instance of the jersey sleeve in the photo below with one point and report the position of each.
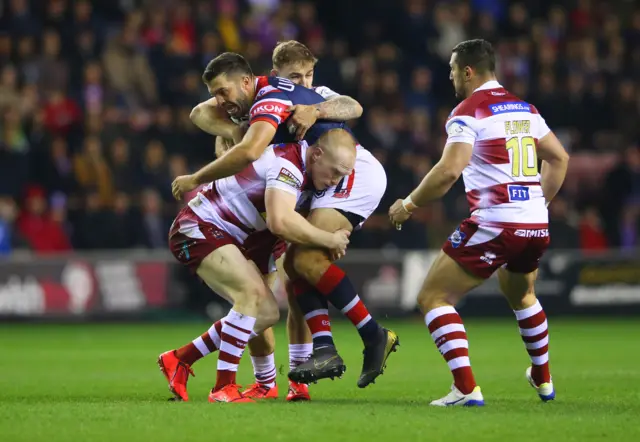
(286, 176)
(542, 128)
(325, 92)
(270, 106)
(461, 129)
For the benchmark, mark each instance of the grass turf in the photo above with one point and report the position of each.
(101, 383)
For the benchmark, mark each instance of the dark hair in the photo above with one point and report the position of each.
(226, 63)
(477, 54)
(291, 52)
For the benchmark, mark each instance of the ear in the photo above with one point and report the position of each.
(468, 73)
(273, 73)
(316, 153)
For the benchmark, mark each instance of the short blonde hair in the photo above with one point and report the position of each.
(291, 51)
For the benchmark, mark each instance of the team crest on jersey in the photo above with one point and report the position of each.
(456, 238)
(289, 178)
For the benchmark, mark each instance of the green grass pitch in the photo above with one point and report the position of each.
(100, 383)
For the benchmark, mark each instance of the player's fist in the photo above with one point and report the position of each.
(338, 243)
(398, 214)
(304, 116)
(182, 185)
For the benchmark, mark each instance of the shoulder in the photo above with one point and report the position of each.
(290, 152)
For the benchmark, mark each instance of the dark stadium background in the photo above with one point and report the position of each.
(95, 99)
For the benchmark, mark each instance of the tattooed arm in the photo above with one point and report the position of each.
(336, 107)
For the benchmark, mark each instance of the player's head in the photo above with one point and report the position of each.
(230, 80)
(332, 158)
(473, 62)
(293, 60)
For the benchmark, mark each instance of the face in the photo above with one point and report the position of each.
(458, 77)
(299, 73)
(327, 169)
(233, 93)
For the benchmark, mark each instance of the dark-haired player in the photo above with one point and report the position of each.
(494, 140)
(268, 102)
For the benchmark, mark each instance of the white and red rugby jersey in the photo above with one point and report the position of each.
(502, 181)
(236, 204)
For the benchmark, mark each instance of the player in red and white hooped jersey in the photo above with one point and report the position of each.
(215, 236)
(494, 141)
(318, 280)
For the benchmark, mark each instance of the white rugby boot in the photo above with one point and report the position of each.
(473, 399)
(545, 391)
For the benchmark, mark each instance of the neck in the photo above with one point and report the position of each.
(478, 81)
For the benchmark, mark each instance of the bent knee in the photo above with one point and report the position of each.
(429, 300)
(311, 264)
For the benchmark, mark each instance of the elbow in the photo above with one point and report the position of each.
(276, 224)
(450, 176)
(195, 113)
(252, 155)
(358, 109)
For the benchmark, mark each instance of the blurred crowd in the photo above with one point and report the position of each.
(95, 99)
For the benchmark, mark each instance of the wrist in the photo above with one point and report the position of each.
(408, 204)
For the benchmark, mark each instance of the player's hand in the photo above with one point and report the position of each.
(304, 116)
(398, 214)
(335, 254)
(338, 243)
(182, 185)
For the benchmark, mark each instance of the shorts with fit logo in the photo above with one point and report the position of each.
(358, 194)
(191, 239)
(483, 249)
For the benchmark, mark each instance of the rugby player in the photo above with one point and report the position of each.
(234, 89)
(494, 140)
(235, 220)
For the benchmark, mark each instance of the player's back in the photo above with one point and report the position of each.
(502, 179)
(274, 95)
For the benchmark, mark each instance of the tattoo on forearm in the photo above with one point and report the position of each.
(341, 108)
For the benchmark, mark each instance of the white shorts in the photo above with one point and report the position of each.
(359, 193)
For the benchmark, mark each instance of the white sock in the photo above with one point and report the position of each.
(264, 368)
(299, 353)
(236, 331)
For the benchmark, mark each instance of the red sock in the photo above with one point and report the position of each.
(201, 346)
(535, 334)
(236, 332)
(449, 335)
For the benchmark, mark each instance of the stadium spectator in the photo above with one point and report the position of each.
(42, 232)
(79, 76)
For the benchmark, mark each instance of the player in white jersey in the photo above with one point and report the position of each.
(213, 236)
(494, 140)
(347, 206)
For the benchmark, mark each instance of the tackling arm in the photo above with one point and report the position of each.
(215, 121)
(555, 161)
(339, 108)
(284, 221)
(239, 156)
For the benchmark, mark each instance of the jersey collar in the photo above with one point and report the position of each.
(491, 84)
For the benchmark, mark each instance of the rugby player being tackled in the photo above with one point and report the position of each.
(281, 109)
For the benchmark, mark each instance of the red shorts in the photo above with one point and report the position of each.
(481, 249)
(191, 239)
